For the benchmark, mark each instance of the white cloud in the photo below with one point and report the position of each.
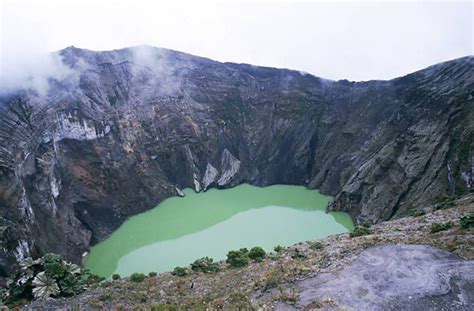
(353, 40)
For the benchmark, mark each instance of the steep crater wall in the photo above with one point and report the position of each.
(129, 130)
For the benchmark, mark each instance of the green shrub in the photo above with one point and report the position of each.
(360, 231)
(315, 245)
(445, 205)
(467, 221)
(115, 277)
(238, 258)
(137, 277)
(152, 274)
(46, 277)
(205, 265)
(53, 265)
(180, 271)
(92, 279)
(440, 227)
(297, 254)
(416, 212)
(71, 285)
(278, 248)
(444, 198)
(257, 254)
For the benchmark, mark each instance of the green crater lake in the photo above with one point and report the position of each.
(182, 229)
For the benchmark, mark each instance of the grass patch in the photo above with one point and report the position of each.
(416, 212)
(274, 277)
(238, 300)
(288, 295)
(445, 205)
(467, 221)
(278, 248)
(316, 245)
(440, 227)
(297, 254)
(360, 231)
(444, 198)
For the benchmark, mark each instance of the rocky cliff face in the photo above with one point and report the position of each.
(132, 127)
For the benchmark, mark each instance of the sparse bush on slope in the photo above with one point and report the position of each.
(238, 258)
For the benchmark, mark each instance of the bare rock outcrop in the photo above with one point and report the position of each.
(229, 167)
(394, 277)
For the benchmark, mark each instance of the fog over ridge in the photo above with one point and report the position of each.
(334, 40)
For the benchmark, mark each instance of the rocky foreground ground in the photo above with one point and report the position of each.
(400, 265)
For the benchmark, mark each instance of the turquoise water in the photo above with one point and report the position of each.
(180, 230)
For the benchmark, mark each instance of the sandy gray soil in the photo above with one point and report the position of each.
(394, 277)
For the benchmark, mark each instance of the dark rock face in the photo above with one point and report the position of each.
(395, 277)
(131, 127)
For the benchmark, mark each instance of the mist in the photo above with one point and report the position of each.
(345, 40)
(33, 73)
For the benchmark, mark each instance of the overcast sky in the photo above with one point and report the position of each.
(353, 40)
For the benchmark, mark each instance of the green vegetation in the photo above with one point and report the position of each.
(152, 274)
(115, 276)
(257, 254)
(205, 264)
(45, 277)
(441, 227)
(278, 248)
(360, 231)
(415, 212)
(137, 277)
(180, 271)
(288, 295)
(444, 198)
(238, 258)
(444, 202)
(315, 245)
(232, 110)
(238, 300)
(273, 277)
(445, 205)
(467, 221)
(297, 254)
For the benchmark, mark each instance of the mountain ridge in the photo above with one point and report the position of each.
(468, 58)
